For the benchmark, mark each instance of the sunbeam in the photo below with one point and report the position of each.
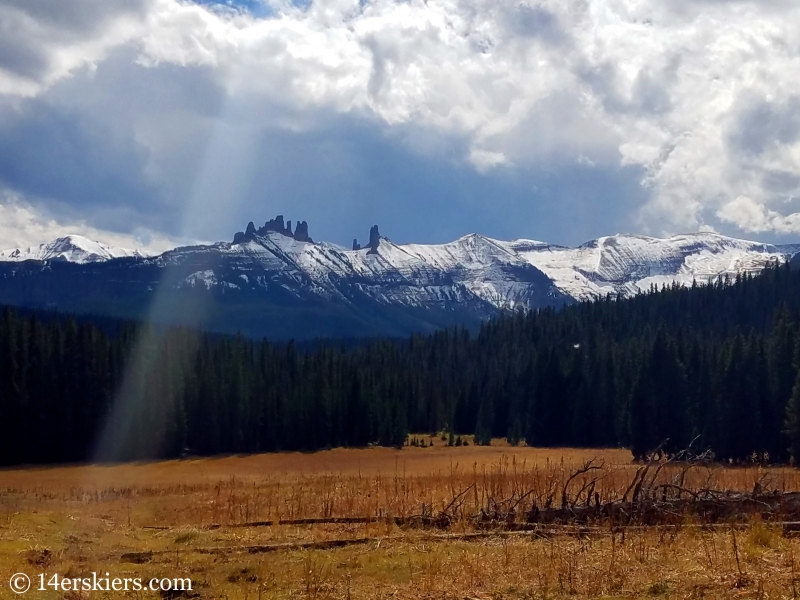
(146, 414)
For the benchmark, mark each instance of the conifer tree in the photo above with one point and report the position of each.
(792, 423)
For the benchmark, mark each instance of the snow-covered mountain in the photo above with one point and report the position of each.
(625, 264)
(71, 248)
(472, 268)
(494, 271)
(272, 281)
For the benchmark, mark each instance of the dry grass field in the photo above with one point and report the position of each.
(217, 521)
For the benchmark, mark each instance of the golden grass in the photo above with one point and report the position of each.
(75, 520)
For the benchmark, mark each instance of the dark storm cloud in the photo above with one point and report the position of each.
(536, 22)
(649, 95)
(763, 123)
(78, 16)
(76, 149)
(32, 30)
(377, 78)
(342, 175)
(350, 175)
(98, 144)
(119, 90)
(19, 56)
(781, 181)
(437, 118)
(49, 153)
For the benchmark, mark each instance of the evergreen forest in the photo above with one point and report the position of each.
(715, 364)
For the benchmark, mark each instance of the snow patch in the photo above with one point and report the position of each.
(72, 248)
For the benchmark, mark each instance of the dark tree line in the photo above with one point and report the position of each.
(717, 363)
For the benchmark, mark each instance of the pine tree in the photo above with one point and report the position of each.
(515, 434)
(792, 423)
(483, 425)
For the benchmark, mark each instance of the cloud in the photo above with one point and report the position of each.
(748, 215)
(762, 125)
(24, 226)
(46, 40)
(157, 112)
(55, 153)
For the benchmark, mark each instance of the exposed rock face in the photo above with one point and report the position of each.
(356, 245)
(374, 240)
(276, 225)
(301, 232)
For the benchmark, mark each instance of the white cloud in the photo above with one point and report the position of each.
(750, 216)
(484, 159)
(23, 226)
(700, 95)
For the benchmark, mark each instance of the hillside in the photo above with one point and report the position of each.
(272, 281)
(716, 363)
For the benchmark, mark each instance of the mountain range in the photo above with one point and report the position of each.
(276, 282)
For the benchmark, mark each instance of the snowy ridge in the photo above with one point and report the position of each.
(626, 264)
(275, 282)
(471, 268)
(474, 272)
(71, 248)
(504, 275)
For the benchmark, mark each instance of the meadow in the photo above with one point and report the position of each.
(341, 524)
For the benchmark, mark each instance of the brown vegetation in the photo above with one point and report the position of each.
(369, 524)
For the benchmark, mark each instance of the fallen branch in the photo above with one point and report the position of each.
(521, 530)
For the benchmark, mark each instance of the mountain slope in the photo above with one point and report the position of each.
(271, 281)
(470, 269)
(71, 248)
(625, 264)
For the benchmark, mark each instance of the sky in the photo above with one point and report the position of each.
(151, 123)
